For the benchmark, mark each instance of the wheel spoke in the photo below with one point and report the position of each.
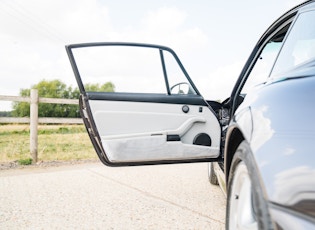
(246, 214)
(241, 212)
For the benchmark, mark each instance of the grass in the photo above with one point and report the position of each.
(55, 142)
(27, 161)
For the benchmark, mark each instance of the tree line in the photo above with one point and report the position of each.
(56, 89)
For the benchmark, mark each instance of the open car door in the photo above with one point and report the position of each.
(153, 114)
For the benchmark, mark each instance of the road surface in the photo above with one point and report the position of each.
(93, 196)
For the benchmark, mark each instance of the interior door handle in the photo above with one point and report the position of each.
(186, 126)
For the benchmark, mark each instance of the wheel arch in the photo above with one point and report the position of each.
(234, 138)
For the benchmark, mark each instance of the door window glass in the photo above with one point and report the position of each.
(264, 63)
(299, 47)
(129, 69)
(263, 66)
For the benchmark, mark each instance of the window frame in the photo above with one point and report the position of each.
(69, 49)
(281, 23)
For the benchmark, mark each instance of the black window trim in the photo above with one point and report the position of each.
(145, 45)
(148, 98)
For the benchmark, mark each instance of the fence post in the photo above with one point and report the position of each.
(34, 124)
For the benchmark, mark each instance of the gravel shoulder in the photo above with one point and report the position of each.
(44, 164)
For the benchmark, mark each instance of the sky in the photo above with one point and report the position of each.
(213, 39)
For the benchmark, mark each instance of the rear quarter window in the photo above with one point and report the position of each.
(299, 46)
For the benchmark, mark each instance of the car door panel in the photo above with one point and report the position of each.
(139, 131)
(131, 128)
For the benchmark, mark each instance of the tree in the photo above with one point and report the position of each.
(107, 87)
(56, 89)
(5, 114)
(22, 109)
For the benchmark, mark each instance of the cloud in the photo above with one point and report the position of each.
(165, 26)
(166, 19)
(55, 20)
(218, 85)
(35, 33)
(291, 187)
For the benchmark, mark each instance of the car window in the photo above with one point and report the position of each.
(266, 59)
(263, 66)
(131, 69)
(299, 47)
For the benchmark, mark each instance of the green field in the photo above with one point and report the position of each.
(55, 142)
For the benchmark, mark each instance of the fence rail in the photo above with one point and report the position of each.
(34, 120)
(41, 120)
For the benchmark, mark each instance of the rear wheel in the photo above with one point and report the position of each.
(211, 174)
(246, 206)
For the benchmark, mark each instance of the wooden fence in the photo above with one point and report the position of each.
(34, 120)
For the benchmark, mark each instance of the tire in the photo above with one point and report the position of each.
(211, 175)
(246, 206)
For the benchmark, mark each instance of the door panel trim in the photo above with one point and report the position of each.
(180, 131)
(155, 148)
(148, 97)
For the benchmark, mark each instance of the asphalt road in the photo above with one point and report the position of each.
(93, 196)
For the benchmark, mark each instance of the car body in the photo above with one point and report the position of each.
(259, 140)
